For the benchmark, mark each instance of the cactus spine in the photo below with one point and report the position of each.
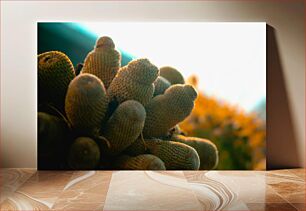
(161, 84)
(134, 82)
(137, 147)
(165, 111)
(172, 75)
(84, 154)
(51, 140)
(140, 162)
(176, 156)
(207, 150)
(86, 103)
(103, 61)
(124, 126)
(55, 71)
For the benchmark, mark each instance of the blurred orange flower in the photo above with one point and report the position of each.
(240, 136)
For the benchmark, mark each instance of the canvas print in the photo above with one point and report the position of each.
(151, 96)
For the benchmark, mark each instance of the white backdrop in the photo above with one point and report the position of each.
(228, 58)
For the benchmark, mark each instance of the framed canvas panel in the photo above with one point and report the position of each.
(151, 95)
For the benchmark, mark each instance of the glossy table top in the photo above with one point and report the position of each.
(28, 189)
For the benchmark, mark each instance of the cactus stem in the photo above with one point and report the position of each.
(143, 141)
(59, 113)
(102, 138)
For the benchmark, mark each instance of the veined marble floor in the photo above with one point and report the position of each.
(28, 189)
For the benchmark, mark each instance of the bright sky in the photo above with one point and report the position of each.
(228, 58)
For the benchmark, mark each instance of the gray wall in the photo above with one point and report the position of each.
(286, 129)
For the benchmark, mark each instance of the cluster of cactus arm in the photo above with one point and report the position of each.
(123, 117)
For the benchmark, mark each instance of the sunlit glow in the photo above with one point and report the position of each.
(228, 58)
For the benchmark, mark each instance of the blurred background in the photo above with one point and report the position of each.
(226, 62)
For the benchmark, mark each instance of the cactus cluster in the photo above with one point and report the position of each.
(112, 117)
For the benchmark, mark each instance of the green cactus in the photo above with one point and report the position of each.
(52, 134)
(172, 75)
(124, 126)
(207, 150)
(55, 71)
(140, 162)
(176, 156)
(138, 147)
(84, 154)
(134, 82)
(124, 118)
(176, 130)
(103, 61)
(165, 111)
(161, 84)
(86, 104)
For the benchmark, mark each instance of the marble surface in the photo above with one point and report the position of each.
(28, 189)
